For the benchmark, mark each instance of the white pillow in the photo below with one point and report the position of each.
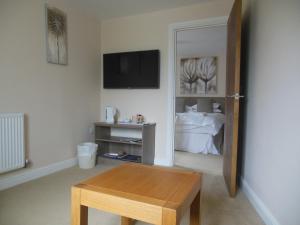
(191, 108)
(216, 105)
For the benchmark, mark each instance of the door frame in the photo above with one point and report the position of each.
(173, 29)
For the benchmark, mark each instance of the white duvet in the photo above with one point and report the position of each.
(198, 122)
(195, 131)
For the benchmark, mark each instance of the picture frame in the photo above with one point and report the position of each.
(56, 36)
(197, 76)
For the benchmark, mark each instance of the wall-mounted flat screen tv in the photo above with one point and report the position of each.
(131, 70)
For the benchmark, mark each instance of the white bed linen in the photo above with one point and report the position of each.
(194, 131)
(195, 143)
(194, 120)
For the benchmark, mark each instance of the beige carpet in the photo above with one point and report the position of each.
(211, 164)
(46, 201)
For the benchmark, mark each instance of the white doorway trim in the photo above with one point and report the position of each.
(173, 29)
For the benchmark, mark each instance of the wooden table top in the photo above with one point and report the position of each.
(166, 187)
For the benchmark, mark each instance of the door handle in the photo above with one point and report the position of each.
(236, 96)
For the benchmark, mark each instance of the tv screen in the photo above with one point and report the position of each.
(131, 69)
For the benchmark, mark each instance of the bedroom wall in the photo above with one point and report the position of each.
(271, 150)
(150, 31)
(209, 41)
(60, 102)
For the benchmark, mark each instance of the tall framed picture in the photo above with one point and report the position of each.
(56, 33)
(197, 76)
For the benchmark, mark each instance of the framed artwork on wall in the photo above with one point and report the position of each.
(56, 35)
(197, 76)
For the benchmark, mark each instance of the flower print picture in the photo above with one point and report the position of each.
(57, 49)
(198, 76)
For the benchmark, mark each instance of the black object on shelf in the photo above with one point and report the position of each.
(121, 140)
(132, 158)
(129, 158)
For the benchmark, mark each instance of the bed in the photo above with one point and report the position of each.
(199, 132)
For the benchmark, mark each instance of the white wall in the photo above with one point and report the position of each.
(60, 102)
(272, 152)
(210, 41)
(150, 31)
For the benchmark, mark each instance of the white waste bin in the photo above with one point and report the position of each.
(87, 155)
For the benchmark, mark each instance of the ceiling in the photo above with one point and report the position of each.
(106, 9)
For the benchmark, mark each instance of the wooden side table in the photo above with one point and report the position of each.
(138, 149)
(151, 194)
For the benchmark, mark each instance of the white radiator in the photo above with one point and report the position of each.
(12, 150)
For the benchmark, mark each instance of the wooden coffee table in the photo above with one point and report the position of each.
(151, 194)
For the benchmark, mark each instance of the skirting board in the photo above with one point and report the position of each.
(258, 204)
(11, 181)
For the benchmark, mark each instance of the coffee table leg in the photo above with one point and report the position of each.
(127, 221)
(79, 214)
(169, 217)
(195, 211)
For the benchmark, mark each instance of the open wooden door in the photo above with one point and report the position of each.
(232, 97)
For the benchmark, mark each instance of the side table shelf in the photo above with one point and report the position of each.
(136, 149)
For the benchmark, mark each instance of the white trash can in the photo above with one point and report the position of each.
(87, 155)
